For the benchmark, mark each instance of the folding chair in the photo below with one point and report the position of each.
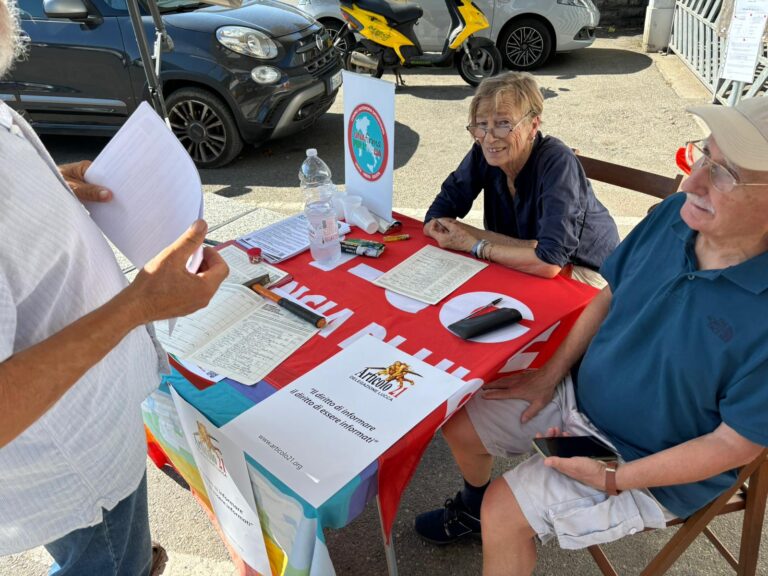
(748, 493)
(630, 178)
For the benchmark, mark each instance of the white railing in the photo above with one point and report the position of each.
(696, 41)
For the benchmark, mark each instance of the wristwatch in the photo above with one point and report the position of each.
(610, 478)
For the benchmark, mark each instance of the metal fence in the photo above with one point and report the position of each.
(696, 41)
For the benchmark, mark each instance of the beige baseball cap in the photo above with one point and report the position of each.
(741, 131)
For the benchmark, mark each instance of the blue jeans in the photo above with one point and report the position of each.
(119, 546)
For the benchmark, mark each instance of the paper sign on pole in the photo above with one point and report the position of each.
(222, 467)
(369, 141)
(745, 40)
(320, 431)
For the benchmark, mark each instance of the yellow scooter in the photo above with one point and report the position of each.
(389, 42)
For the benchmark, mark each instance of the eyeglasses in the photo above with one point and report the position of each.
(693, 156)
(501, 130)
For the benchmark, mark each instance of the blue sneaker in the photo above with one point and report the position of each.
(448, 524)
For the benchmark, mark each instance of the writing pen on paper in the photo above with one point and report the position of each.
(301, 311)
(483, 308)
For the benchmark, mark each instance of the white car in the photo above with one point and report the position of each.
(526, 32)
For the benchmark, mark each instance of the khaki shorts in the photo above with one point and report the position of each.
(588, 276)
(554, 504)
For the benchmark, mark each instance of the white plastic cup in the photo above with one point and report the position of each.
(349, 202)
(363, 218)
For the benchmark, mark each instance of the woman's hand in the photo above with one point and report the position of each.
(450, 234)
(74, 175)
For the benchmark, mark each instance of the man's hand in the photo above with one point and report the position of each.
(74, 175)
(450, 234)
(535, 386)
(166, 289)
(585, 470)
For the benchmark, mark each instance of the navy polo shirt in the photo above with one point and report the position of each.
(680, 351)
(553, 204)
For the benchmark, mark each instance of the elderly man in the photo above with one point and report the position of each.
(77, 357)
(673, 376)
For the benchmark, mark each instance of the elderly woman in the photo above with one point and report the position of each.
(540, 212)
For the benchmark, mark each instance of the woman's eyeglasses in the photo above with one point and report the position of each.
(501, 130)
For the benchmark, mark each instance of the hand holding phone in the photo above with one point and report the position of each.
(571, 446)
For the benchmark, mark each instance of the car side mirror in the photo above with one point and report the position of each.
(69, 9)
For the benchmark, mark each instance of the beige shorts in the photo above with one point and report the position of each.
(554, 504)
(588, 276)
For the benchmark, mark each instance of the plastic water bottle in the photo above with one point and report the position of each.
(315, 178)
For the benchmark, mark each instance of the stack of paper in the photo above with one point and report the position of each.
(284, 239)
(239, 335)
(156, 187)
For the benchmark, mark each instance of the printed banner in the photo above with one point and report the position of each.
(222, 467)
(369, 141)
(320, 431)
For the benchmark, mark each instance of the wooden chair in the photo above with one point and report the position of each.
(630, 178)
(748, 493)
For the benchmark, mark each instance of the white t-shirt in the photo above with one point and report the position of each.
(88, 451)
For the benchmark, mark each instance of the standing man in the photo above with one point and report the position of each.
(673, 376)
(77, 357)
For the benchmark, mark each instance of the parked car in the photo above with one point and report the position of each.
(235, 75)
(526, 32)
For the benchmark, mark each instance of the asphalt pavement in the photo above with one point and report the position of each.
(610, 101)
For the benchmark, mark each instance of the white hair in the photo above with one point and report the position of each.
(11, 47)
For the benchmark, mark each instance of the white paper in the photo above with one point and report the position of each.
(745, 40)
(241, 270)
(317, 433)
(222, 467)
(430, 274)
(283, 239)
(156, 187)
(239, 334)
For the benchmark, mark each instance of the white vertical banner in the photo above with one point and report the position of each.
(369, 141)
(222, 467)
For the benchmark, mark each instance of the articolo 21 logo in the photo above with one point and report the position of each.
(384, 379)
(206, 446)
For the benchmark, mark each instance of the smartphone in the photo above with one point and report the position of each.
(570, 446)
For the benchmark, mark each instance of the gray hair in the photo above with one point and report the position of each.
(516, 88)
(11, 47)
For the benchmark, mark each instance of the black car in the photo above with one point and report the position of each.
(235, 75)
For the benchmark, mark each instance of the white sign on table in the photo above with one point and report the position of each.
(317, 433)
(222, 467)
(369, 141)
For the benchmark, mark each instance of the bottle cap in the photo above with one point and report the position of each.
(311, 151)
(254, 255)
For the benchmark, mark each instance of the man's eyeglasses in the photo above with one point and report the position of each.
(501, 130)
(693, 156)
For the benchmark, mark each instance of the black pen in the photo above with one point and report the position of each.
(484, 308)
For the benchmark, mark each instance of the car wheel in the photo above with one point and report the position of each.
(486, 60)
(525, 44)
(346, 40)
(205, 126)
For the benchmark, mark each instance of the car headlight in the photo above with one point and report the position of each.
(579, 3)
(247, 41)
